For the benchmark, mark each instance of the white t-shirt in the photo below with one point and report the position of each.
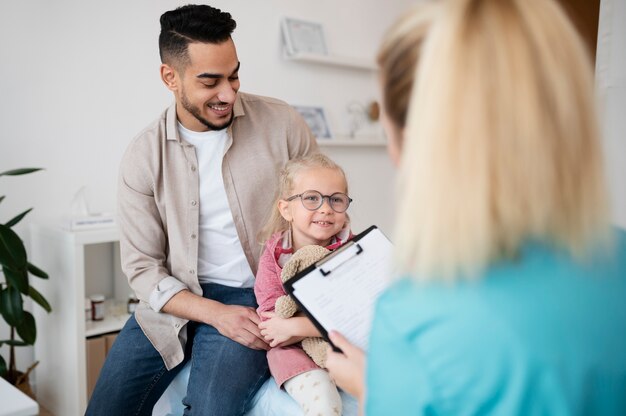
(220, 256)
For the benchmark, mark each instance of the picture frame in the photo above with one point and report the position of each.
(303, 37)
(315, 118)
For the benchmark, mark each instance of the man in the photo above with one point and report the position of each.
(194, 189)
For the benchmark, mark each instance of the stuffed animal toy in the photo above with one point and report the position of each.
(286, 307)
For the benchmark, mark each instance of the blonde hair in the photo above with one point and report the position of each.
(397, 59)
(502, 142)
(286, 180)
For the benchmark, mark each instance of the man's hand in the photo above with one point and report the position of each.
(239, 323)
(279, 331)
(347, 368)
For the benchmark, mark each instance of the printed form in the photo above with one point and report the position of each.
(341, 292)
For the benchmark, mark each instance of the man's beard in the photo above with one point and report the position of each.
(195, 111)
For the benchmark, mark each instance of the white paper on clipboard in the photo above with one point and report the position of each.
(340, 292)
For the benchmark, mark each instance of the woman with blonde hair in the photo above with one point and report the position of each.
(512, 290)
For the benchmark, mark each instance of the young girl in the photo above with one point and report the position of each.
(311, 209)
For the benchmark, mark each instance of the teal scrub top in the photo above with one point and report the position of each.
(543, 334)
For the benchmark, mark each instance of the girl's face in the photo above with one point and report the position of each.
(319, 226)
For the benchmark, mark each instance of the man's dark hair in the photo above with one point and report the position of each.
(188, 24)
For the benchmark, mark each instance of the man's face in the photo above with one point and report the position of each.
(207, 87)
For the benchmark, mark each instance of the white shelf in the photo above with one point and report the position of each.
(79, 237)
(355, 63)
(110, 323)
(346, 141)
(350, 143)
(76, 261)
(96, 236)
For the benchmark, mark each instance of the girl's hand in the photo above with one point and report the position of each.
(347, 368)
(279, 332)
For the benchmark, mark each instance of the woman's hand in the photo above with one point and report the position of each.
(347, 368)
(279, 332)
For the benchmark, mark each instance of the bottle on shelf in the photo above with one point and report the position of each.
(97, 307)
(132, 303)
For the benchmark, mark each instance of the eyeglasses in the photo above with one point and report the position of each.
(312, 200)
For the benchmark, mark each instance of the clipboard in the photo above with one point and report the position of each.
(339, 292)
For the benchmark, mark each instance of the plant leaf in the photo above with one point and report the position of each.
(18, 218)
(38, 297)
(22, 171)
(15, 342)
(12, 306)
(2, 197)
(3, 367)
(17, 278)
(27, 329)
(12, 251)
(37, 271)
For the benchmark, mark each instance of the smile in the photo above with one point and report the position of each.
(220, 109)
(323, 223)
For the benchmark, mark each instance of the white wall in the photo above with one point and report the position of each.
(78, 79)
(611, 80)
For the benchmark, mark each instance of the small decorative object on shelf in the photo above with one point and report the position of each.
(373, 111)
(97, 307)
(89, 222)
(81, 218)
(132, 303)
(315, 118)
(301, 36)
(362, 121)
(357, 116)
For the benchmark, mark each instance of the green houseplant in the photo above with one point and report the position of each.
(16, 286)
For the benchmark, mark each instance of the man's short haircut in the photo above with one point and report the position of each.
(188, 24)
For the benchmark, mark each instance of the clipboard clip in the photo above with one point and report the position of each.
(338, 258)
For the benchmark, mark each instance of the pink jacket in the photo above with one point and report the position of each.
(284, 362)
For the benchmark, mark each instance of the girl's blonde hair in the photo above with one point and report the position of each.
(286, 180)
(502, 142)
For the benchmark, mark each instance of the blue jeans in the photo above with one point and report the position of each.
(224, 375)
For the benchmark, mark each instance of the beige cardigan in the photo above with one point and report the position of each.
(158, 202)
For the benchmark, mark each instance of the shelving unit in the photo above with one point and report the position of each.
(341, 61)
(348, 63)
(78, 264)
